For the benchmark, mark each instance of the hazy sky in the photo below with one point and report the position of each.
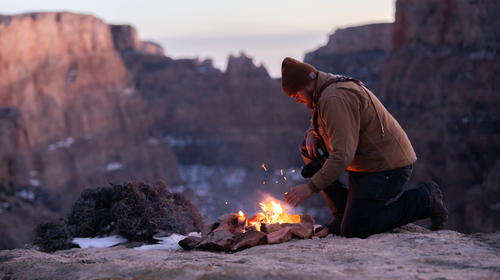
(265, 30)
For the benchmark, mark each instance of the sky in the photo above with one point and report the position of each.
(266, 31)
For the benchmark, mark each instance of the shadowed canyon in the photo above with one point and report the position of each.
(84, 103)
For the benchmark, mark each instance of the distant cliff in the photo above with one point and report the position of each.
(76, 113)
(441, 83)
(239, 117)
(436, 70)
(359, 52)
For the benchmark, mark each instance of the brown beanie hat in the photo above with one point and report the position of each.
(295, 75)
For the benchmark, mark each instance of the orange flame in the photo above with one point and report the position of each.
(273, 213)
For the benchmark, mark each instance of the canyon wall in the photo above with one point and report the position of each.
(437, 74)
(359, 52)
(441, 83)
(79, 120)
(239, 117)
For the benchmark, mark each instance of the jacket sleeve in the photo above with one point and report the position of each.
(342, 124)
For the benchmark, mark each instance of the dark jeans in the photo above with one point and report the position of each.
(363, 208)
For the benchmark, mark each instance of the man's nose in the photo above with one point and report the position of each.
(297, 100)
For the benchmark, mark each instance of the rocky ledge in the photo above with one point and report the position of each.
(410, 252)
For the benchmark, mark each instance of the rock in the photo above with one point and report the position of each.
(307, 221)
(189, 242)
(207, 229)
(269, 228)
(302, 232)
(463, 24)
(359, 52)
(151, 48)
(238, 232)
(280, 236)
(445, 56)
(218, 240)
(125, 38)
(222, 220)
(248, 239)
(370, 37)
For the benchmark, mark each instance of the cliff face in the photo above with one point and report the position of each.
(438, 78)
(440, 83)
(240, 117)
(80, 118)
(359, 52)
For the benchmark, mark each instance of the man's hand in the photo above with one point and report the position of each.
(312, 144)
(299, 193)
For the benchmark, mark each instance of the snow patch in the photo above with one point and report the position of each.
(25, 195)
(65, 143)
(168, 243)
(99, 242)
(35, 183)
(113, 166)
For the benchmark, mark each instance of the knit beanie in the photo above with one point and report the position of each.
(295, 75)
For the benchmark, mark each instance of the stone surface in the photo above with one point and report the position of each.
(207, 229)
(189, 242)
(307, 221)
(269, 228)
(302, 232)
(218, 240)
(408, 254)
(280, 236)
(248, 239)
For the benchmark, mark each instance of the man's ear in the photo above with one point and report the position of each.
(311, 84)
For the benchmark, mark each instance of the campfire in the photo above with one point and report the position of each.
(235, 231)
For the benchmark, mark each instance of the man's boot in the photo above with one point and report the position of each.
(332, 227)
(439, 213)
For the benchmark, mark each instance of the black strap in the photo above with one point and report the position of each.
(317, 96)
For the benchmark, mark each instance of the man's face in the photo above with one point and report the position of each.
(304, 96)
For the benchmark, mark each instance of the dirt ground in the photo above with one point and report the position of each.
(407, 253)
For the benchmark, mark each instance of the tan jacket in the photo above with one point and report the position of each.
(351, 130)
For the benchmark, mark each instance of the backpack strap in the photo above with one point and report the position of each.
(317, 96)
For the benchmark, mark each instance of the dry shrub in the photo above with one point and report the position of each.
(133, 209)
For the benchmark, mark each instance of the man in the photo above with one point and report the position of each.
(362, 137)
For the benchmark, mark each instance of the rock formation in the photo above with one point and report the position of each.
(81, 121)
(438, 80)
(126, 39)
(239, 117)
(359, 52)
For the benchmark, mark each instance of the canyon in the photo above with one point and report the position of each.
(85, 103)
